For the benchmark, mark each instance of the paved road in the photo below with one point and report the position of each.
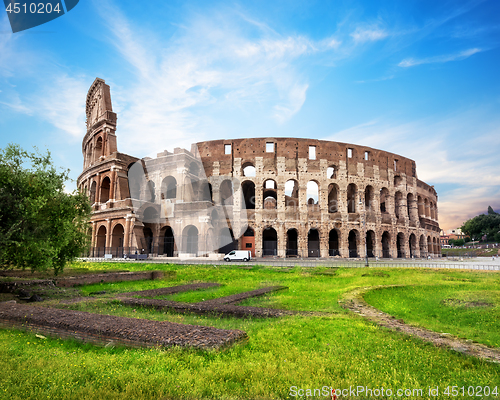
(481, 263)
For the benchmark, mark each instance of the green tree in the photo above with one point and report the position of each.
(41, 226)
(491, 211)
(484, 224)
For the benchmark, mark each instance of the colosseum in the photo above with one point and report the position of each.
(281, 197)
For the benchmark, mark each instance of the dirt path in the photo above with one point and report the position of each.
(354, 301)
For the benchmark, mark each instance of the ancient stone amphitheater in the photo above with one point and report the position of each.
(282, 197)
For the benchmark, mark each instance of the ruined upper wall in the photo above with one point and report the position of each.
(293, 149)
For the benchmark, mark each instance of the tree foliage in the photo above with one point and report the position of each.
(484, 224)
(41, 226)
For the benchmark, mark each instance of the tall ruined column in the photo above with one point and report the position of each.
(108, 233)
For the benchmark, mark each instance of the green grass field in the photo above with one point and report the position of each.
(332, 348)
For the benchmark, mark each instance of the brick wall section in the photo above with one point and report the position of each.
(109, 277)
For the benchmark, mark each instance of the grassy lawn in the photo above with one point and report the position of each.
(334, 348)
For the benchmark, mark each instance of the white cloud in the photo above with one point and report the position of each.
(459, 150)
(368, 34)
(411, 62)
(210, 62)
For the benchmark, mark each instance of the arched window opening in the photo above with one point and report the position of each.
(331, 172)
(292, 193)
(370, 243)
(270, 196)
(423, 246)
(400, 239)
(168, 242)
(92, 192)
(333, 198)
(249, 170)
(313, 243)
(353, 243)
(368, 198)
(292, 242)
(427, 208)
(248, 188)
(333, 243)
(191, 237)
(398, 197)
(150, 215)
(409, 205)
(269, 242)
(150, 192)
(226, 192)
(397, 181)
(386, 245)
(207, 194)
(351, 198)
(105, 186)
(313, 195)
(169, 188)
(412, 245)
(98, 150)
(101, 239)
(147, 245)
(384, 200)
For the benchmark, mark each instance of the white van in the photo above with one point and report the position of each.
(242, 255)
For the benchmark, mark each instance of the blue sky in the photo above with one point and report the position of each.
(417, 78)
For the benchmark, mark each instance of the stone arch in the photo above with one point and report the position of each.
(269, 242)
(118, 235)
(150, 215)
(101, 237)
(292, 194)
(249, 169)
(313, 243)
(292, 243)
(368, 198)
(397, 180)
(88, 155)
(400, 240)
(194, 169)
(412, 245)
(331, 172)
(422, 245)
(334, 243)
(370, 243)
(190, 239)
(312, 191)
(99, 150)
(105, 188)
(398, 200)
(150, 192)
(269, 194)
(410, 199)
(386, 245)
(384, 200)
(226, 192)
(333, 198)
(93, 191)
(168, 241)
(248, 240)
(248, 188)
(169, 188)
(353, 240)
(421, 208)
(351, 197)
(147, 246)
(427, 208)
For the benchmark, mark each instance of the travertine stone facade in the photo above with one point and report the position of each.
(303, 197)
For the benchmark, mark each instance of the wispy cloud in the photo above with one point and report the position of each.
(211, 62)
(411, 62)
(441, 159)
(369, 34)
